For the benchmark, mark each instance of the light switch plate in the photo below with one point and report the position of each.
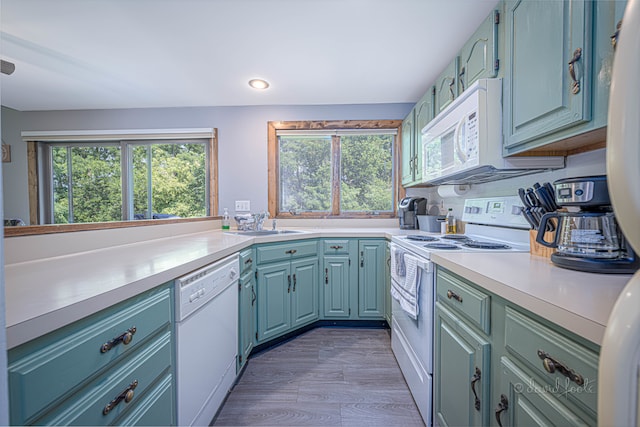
(243, 205)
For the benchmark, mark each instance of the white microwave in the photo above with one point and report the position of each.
(463, 144)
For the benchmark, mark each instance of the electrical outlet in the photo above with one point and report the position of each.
(243, 205)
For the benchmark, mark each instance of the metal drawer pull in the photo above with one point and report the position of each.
(326, 276)
(474, 379)
(253, 296)
(502, 406)
(336, 247)
(575, 86)
(125, 339)
(551, 365)
(289, 280)
(126, 395)
(614, 37)
(290, 251)
(248, 261)
(451, 294)
(294, 282)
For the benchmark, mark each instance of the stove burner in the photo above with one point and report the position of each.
(485, 245)
(445, 246)
(457, 237)
(421, 238)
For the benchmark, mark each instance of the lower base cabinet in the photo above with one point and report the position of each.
(115, 367)
(497, 364)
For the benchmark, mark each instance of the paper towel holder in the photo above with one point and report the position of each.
(454, 190)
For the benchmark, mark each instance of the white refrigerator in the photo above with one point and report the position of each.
(619, 370)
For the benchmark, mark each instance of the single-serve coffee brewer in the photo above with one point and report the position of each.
(587, 236)
(408, 210)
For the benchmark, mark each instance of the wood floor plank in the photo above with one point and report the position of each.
(325, 377)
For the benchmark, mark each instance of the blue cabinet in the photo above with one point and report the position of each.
(446, 86)
(286, 287)
(479, 55)
(371, 282)
(557, 74)
(72, 375)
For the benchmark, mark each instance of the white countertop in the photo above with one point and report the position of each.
(46, 294)
(579, 302)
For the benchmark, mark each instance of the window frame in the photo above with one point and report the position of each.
(330, 125)
(39, 189)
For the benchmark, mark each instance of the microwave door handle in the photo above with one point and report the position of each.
(457, 136)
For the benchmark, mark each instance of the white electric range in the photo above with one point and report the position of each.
(492, 225)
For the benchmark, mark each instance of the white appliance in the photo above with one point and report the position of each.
(493, 224)
(619, 368)
(206, 338)
(463, 144)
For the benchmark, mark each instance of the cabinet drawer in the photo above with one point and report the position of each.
(538, 346)
(246, 260)
(44, 369)
(335, 247)
(143, 369)
(473, 304)
(157, 407)
(286, 251)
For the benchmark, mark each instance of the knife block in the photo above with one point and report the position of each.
(536, 248)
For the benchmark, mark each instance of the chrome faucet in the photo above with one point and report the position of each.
(273, 224)
(259, 220)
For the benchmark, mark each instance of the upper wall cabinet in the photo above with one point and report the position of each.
(424, 113)
(479, 55)
(447, 86)
(408, 140)
(557, 74)
(548, 74)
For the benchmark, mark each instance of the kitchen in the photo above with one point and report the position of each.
(233, 125)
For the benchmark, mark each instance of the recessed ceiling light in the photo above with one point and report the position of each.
(258, 84)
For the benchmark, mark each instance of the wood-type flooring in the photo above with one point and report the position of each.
(324, 377)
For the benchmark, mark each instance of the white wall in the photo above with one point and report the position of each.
(584, 164)
(242, 133)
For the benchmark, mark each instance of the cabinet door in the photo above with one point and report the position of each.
(539, 93)
(424, 111)
(531, 402)
(274, 307)
(461, 372)
(387, 284)
(304, 292)
(371, 295)
(479, 56)
(336, 286)
(447, 86)
(246, 324)
(408, 163)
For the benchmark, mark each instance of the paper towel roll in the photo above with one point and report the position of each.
(446, 191)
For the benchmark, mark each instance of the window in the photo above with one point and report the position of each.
(146, 178)
(320, 169)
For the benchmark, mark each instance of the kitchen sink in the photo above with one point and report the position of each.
(263, 232)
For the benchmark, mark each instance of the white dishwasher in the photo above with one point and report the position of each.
(206, 338)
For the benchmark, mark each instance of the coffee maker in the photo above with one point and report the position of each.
(587, 236)
(408, 210)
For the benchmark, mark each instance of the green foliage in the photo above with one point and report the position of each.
(177, 172)
(366, 173)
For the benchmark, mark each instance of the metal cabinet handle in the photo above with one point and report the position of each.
(451, 294)
(326, 276)
(290, 251)
(614, 37)
(294, 283)
(575, 86)
(253, 296)
(248, 261)
(126, 395)
(289, 280)
(551, 365)
(502, 406)
(451, 92)
(361, 258)
(335, 247)
(461, 75)
(474, 379)
(125, 339)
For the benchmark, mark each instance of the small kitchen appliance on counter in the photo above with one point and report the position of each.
(588, 239)
(408, 210)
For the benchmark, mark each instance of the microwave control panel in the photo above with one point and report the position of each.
(471, 136)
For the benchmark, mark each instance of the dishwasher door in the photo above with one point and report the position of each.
(207, 337)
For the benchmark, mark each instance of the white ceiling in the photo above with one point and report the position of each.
(90, 54)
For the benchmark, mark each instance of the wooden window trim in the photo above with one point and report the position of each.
(272, 154)
(34, 194)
